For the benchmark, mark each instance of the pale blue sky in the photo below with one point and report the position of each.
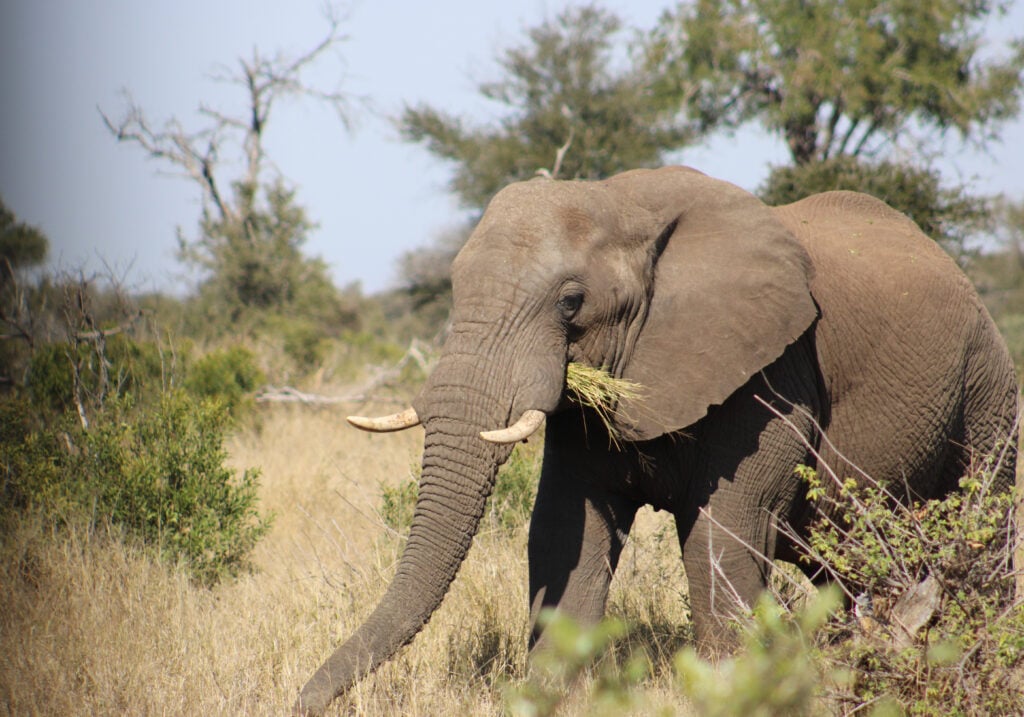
(372, 195)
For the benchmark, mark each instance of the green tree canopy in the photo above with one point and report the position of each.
(21, 245)
(252, 256)
(570, 111)
(948, 215)
(836, 77)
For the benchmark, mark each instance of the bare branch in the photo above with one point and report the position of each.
(15, 312)
(265, 81)
(560, 152)
(97, 334)
(176, 146)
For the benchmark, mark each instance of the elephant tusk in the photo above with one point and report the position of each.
(384, 424)
(525, 427)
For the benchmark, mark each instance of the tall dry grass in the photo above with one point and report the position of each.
(91, 625)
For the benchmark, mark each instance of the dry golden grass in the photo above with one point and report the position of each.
(599, 390)
(93, 626)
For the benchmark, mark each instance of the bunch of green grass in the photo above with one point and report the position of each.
(597, 389)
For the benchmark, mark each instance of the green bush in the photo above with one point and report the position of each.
(131, 367)
(158, 474)
(966, 658)
(969, 656)
(947, 214)
(569, 653)
(31, 465)
(397, 505)
(778, 671)
(226, 375)
(511, 503)
(305, 342)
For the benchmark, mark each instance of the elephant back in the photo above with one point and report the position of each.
(905, 346)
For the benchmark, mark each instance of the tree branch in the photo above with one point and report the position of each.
(176, 146)
(833, 123)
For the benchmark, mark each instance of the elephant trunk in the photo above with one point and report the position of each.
(459, 470)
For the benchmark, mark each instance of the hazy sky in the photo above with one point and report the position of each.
(372, 195)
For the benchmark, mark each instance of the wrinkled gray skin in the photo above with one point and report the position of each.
(835, 310)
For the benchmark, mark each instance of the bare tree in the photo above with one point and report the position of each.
(248, 242)
(266, 80)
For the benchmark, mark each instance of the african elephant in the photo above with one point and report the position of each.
(826, 331)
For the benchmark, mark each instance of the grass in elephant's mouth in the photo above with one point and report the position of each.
(597, 389)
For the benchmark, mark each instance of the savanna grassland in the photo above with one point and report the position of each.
(92, 625)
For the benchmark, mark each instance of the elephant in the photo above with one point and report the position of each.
(830, 332)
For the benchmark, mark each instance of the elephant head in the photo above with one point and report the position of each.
(684, 284)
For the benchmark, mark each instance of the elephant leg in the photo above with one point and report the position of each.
(576, 536)
(746, 488)
(724, 576)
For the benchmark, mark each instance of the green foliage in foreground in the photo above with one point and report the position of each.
(158, 475)
(568, 653)
(123, 366)
(510, 503)
(969, 658)
(779, 670)
(817, 658)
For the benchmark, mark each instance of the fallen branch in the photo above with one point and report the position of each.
(287, 394)
(383, 377)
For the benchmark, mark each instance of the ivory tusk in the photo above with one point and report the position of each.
(525, 427)
(384, 424)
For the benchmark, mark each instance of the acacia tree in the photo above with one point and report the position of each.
(836, 77)
(571, 111)
(251, 231)
(844, 83)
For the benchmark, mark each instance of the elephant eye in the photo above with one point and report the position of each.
(569, 304)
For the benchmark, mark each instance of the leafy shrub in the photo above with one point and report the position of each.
(778, 671)
(968, 655)
(965, 658)
(159, 475)
(304, 341)
(397, 505)
(511, 502)
(569, 652)
(225, 375)
(123, 366)
(30, 461)
(948, 215)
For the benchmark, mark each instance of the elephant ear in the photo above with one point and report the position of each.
(730, 291)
